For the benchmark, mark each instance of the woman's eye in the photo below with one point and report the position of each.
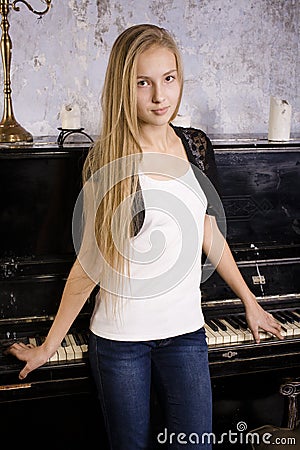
(170, 78)
(142, 83)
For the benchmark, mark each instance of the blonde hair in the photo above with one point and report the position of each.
(118, 140)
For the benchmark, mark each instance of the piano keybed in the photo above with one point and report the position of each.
(73, 347)
(229, 330)
(234, 329)
(66, 372)
(231, 348)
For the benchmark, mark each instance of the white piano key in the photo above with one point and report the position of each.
(62, 355)
(218, 337)
(264, 335)
(239, 333)
(210, 338)
(225, 336)
(32, 341)
(232, 334)
(78, 353)
(83, 344)
(248, 335)
(245, 335)
(68, 348)
(295, 327)
(54, 357)
(287, 326)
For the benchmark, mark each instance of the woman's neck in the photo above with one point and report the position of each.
(164, 140)
(157, 138)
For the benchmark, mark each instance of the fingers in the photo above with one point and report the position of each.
(266, 323)
(19, 350)
(24, 372)
(15, 349)
(256, 335)
(33, 356)
(274, 327)
(277, 331)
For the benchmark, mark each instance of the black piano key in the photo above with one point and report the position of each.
(232, 322)
(291, 316)
(241, 322)
(77, 339)
(82, 338)
(287, 316)
(38, 339)
(296, 318)
(279, 317)
(85, 338)
(212, 325)
(220, 325)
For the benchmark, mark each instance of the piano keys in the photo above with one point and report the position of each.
(73, 347)
(234, 330)
(230, 344)
(227, 331)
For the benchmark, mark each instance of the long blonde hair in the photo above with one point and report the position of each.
(119, 142)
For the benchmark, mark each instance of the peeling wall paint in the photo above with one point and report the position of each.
(236, 54)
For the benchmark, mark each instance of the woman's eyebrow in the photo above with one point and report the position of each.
(164, 74)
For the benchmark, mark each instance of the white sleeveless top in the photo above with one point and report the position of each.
(163, 297)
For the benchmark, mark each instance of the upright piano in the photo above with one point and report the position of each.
(260, 192)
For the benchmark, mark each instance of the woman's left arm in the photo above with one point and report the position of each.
(217, 250)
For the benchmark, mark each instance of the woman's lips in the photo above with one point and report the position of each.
(160, 111)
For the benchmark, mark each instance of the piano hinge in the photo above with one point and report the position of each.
(258, 279)
(229, 354)
(9, 387)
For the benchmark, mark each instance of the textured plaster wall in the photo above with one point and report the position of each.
(236, 53)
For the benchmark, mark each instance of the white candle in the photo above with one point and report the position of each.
(182, 121)
(279, 120)
(70, 117)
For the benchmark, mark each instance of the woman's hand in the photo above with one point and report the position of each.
(258, 319)
(34, 357)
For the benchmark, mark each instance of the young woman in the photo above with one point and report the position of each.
(147, 218)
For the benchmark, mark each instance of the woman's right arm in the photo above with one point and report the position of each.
(77, 290)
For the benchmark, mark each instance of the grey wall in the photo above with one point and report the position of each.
(236, 53)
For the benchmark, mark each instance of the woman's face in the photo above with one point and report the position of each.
(158, 87)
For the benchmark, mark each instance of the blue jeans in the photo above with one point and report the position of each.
(177, 367)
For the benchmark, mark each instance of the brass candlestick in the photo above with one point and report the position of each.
(10, 129)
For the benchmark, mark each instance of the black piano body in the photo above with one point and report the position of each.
(260, 188)
(260, 191)
(55, 407)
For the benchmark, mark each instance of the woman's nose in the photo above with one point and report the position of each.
(158, 94)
